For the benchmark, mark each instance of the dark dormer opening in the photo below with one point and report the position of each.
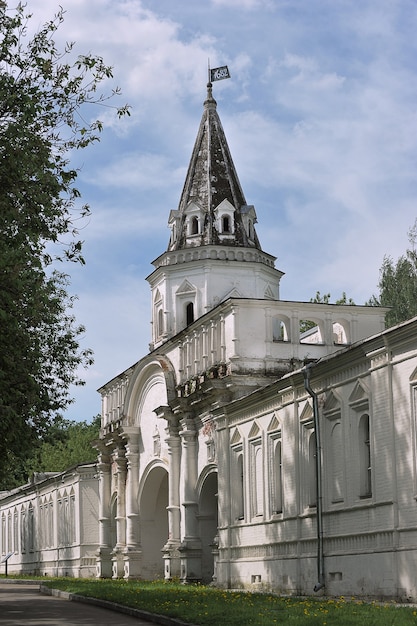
(189, 313)
(194, 226)
(226, 224)
(251, 230)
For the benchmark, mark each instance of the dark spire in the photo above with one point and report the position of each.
(211, 179)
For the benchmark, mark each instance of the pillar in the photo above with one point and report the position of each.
(170, 550)
(190, 548)
(103, 563)
(117, 552)
(132, 551)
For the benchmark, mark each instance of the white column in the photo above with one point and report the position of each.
(103, 553)
(132, 505)
(132, 551)
(170, 550)
(121, 499)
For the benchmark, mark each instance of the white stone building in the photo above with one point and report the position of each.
(222, 456)
(241, 450)
(50, 526)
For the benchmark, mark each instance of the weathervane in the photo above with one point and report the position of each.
(218, 73)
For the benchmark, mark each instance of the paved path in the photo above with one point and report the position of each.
(23, 604)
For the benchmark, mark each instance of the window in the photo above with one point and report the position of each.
(226, 224)
(31, 528)
(189, 313)
(365, 470)
(276, 477)
(257, 482)
(9, 531)
(23, 531)
(312, 474)
(251, 232)
(3, 534)
(194, 225)
(160, 329)
(16, 531)
(280, 328)
(336, 469)
(240, 483)
(72, 535)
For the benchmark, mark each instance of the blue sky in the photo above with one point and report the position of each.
(321, 118)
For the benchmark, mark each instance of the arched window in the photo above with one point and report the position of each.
(258, 483)
(277, 504)
(9, 531)
(365, 469)
(31, 528)
(23, 530)
(160, 329)
(189, 313)
(16, 531)
(3, 534)
(226, 224)
(312, 471)
(194, 225)
(240, 512)
(336, 470)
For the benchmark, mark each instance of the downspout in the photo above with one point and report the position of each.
(320, 554)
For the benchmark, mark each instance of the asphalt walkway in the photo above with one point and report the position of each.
(24, 605)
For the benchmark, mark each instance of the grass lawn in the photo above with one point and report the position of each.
(206, 606)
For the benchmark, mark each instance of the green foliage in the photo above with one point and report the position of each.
(67, 443)
(207, 606)
(325, 299)
(398, 284)
(306, 325)
(42, 98)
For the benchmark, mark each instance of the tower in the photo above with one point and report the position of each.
(213, 252)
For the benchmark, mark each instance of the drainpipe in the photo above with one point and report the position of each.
(320, 555)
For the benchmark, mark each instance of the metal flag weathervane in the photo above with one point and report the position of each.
(218, 73)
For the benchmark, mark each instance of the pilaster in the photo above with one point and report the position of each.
(190, 548)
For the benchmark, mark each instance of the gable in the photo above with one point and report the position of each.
(359, 398)
(185, 287)
(254, 431)
(307, 412)
(236, 437)
(274, 423)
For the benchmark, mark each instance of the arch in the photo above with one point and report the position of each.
(153, 381)
(208, 521)
(153, 503)
(281, 325)
(341, 332)
(312, 331)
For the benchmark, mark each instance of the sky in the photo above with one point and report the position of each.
(320, 116)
